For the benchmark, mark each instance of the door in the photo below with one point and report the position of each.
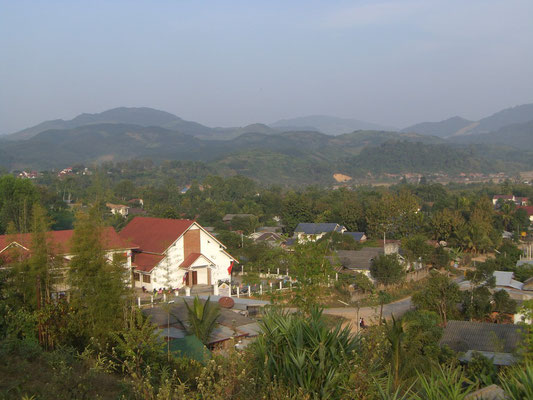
(195, 277)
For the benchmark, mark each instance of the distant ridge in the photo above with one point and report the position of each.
(142, 116)
(458, 126)
(328, 125)
(446, 128)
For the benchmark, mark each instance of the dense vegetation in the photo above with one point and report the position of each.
(104, 347)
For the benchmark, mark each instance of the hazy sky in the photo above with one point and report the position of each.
(225, 63)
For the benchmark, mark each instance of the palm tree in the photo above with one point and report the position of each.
(395, 335)
(304, 354)
(202, 319)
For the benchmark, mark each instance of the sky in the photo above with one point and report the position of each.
(231, 63)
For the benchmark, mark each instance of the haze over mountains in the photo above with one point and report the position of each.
(295, 150)
(457, 126)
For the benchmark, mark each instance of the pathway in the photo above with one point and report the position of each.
(371, 314)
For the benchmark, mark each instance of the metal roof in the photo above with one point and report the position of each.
(313, 229)
(481, 336)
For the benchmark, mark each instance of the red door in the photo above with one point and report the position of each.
(195, 277)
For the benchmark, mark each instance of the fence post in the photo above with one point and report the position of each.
(164, 297)
(139, 302)
(215, 290)
(278, 271)
(287, 272)
(242, 269)
(238, 292)
(188, 291)
(280, 285)
(249, 291)
(336, 276)
(328, 280)
(152, 300)
(261, 289)
(270, 286)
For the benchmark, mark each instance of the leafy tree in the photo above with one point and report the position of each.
(17, 197)
(338, 241)
(476, 302)
(481, 369)
(502, 302)
(440, 294)
(440, 258)
(445, 224)
(380, 216)
(417, 249)
(296, 208)
(138, 345)
(387, 270)
(363, 282)
(311, 269)
(246, 224)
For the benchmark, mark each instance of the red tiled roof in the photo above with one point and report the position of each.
(189, 260)
(503, 196)
(529, 209)
(63, 239)
(145, 262)
(154, 235)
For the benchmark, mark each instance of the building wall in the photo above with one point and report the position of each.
(194, 240)
(212, 250)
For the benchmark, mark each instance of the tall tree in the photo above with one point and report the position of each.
(98, 289)
(440, 294)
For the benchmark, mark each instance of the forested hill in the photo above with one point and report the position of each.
(287, 158)
(457, 126)
(518, 136)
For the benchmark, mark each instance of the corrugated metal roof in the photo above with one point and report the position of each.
(480, 336)
(357, 259)
(358, 236)
(505, 278)
(313, 229)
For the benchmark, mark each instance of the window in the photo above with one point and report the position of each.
(146, 278)
(136, 276)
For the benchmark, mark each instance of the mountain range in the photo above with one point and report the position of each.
(144, 116)
(278, 153)
(458, 126)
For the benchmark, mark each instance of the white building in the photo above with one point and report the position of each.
(173, 253)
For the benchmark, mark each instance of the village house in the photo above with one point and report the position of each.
(118, 209)
(519, 201)
(174, 253)
(497, 342)
(504, 280)
(271, 238)
(311, 232)
(359, 261)
(357, 236)
(28, 175)
(20, 246)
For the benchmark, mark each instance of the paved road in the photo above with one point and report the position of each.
(371, 314)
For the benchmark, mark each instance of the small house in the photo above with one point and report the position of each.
(497, 342)
(311, 232)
